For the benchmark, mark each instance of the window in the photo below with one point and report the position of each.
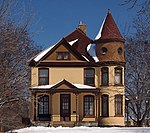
(118, 76)
(120, 50)
(105, 105)
(43, 106)
(89, 74)
(63, 56)
(105, 78)
(88, 105)
(43, 76)
(103, 50)
(118, 105)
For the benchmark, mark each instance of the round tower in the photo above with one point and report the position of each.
(110, 52)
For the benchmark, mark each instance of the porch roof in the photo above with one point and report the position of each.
(52, 86)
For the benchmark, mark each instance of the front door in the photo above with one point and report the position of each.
(65, 107)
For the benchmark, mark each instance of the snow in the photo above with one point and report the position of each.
(45, 86)
(91, 48)
(44, 52)
(72, 42)
(40, 129)
(79, 86)
(100, 31)
(85, 58)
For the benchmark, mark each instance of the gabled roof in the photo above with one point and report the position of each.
(49, 50)
(81, 44)
(109, 30)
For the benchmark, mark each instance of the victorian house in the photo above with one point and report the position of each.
(79, 81)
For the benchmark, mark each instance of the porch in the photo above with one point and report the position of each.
(65, 105)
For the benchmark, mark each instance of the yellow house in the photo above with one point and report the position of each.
(78, 81)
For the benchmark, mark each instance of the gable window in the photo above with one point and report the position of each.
(43, 76)
(118, 105)
(63, 56)
(105, 105)
(89, 74)
(88, 105)
(104, 77)
(118, 76)
(43, 107)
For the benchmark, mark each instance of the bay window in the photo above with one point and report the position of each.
(118, 76)
(105, 105)
(104, 76)
(118, 105)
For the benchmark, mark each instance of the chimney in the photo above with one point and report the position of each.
(82, 27)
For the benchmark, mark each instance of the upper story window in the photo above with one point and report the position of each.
(118, 76)
(104, 77)
(118, 105)
(63, 56)
(105, 105)
(89, 76)
(43, 76)
(88, 105)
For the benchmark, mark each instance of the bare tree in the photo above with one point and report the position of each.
(16, 48)
(137, 75)
(143, 5)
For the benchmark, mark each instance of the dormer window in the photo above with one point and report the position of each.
(63, 56)
(103, 50)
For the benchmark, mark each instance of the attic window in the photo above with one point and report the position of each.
(103, 50)
(63, 56)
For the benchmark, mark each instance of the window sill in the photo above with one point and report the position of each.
(89, 116)
(90, 85)
(119, 116)
(104, 85)
(118, 85)
(104, 116)
(43, 84)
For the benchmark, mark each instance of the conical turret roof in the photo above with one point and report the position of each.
(109, 30)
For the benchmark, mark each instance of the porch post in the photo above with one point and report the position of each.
(76, 108)
(96, 106)
(34, 106)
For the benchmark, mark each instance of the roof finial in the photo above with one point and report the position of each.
(80, 23)
(108, 10)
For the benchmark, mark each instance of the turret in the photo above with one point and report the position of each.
(109, 42)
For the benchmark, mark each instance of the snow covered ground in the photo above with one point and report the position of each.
(84, 130)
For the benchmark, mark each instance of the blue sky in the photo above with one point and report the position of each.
(55, 19)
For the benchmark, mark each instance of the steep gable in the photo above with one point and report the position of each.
(81, 44)
(50, 54)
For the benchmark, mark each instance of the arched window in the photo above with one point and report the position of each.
(105, 105)
(43, 76)
(118, 76)
(104, 77)
(118, 105)
(89, 74)
(88, 105)
(43, 106)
